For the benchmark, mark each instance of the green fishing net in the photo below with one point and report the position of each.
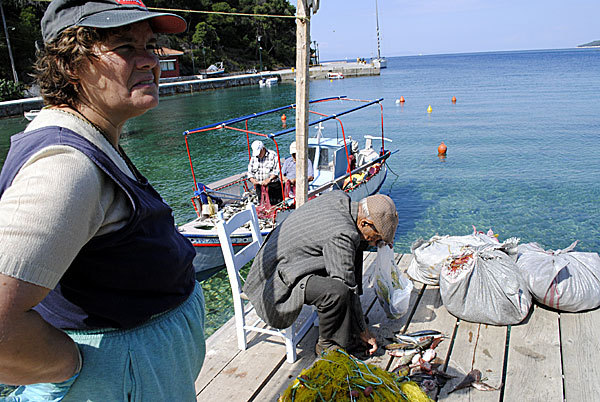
(337, 376)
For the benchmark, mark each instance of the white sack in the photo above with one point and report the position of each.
(486, 286)
(561, 279)
(429, 256)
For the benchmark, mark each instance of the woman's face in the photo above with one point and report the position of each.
(123, 81)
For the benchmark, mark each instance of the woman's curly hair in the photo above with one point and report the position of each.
(58, 62)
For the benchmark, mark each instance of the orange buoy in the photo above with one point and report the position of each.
(283, 118)
(442, 149)
(402, 99)
(454, 99)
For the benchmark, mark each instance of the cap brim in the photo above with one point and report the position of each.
(160, 22)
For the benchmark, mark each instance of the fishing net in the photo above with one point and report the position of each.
(337, 376)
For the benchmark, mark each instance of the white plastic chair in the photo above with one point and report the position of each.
(234, 262)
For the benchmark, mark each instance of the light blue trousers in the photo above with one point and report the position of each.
(156, 362)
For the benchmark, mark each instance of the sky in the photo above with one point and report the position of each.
(346, 29)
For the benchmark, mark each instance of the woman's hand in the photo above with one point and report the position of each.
(31, 350)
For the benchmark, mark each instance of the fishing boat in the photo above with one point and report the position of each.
(214, 70)
(379, 61)
(338, 163)
(335, 76)
(31, 114)
(268, 82)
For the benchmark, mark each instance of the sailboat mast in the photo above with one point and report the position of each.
(377, 24)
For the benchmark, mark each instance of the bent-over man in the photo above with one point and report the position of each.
(310, 259)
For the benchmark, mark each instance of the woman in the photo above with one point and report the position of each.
(98, 300)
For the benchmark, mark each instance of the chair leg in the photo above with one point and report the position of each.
(240, 322)
(290, 344)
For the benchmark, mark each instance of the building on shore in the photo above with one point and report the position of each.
(169, 62)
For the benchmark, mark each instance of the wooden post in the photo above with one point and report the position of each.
(302, 59)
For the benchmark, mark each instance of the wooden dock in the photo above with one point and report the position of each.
(550, 357)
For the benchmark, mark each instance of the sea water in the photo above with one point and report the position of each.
(523, 144)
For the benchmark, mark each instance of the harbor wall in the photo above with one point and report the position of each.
(19, 106)
(199, 83)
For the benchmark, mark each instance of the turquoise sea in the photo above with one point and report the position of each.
(523, 144)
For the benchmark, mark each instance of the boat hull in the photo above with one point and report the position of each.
(380, 62)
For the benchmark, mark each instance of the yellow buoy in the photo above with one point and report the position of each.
(429, 109)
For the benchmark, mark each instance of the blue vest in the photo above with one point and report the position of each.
(119, 279)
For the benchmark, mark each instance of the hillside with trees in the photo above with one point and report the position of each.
(210, 38)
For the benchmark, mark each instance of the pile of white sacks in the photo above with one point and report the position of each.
(487, 281)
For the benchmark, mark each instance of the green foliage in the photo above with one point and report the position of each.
(228, 38)
(10, 90)
(23, 24)
(205, 35)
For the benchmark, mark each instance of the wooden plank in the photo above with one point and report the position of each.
(431, 314)
(476, 346)
(246, 372)
(533, 370)
(251, 369)
(580, 340)
(221, 348)
(368, 269)
(286, 373)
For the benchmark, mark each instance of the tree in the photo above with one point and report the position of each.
(205, 35)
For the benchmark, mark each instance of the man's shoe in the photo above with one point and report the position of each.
(324, 346)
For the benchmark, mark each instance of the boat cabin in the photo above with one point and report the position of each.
(329, 158)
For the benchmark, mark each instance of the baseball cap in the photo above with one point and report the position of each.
(257, 146)
(382, 211)
(63, 14)
(293, 147)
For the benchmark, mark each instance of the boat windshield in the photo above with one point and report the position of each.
(325, 159)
